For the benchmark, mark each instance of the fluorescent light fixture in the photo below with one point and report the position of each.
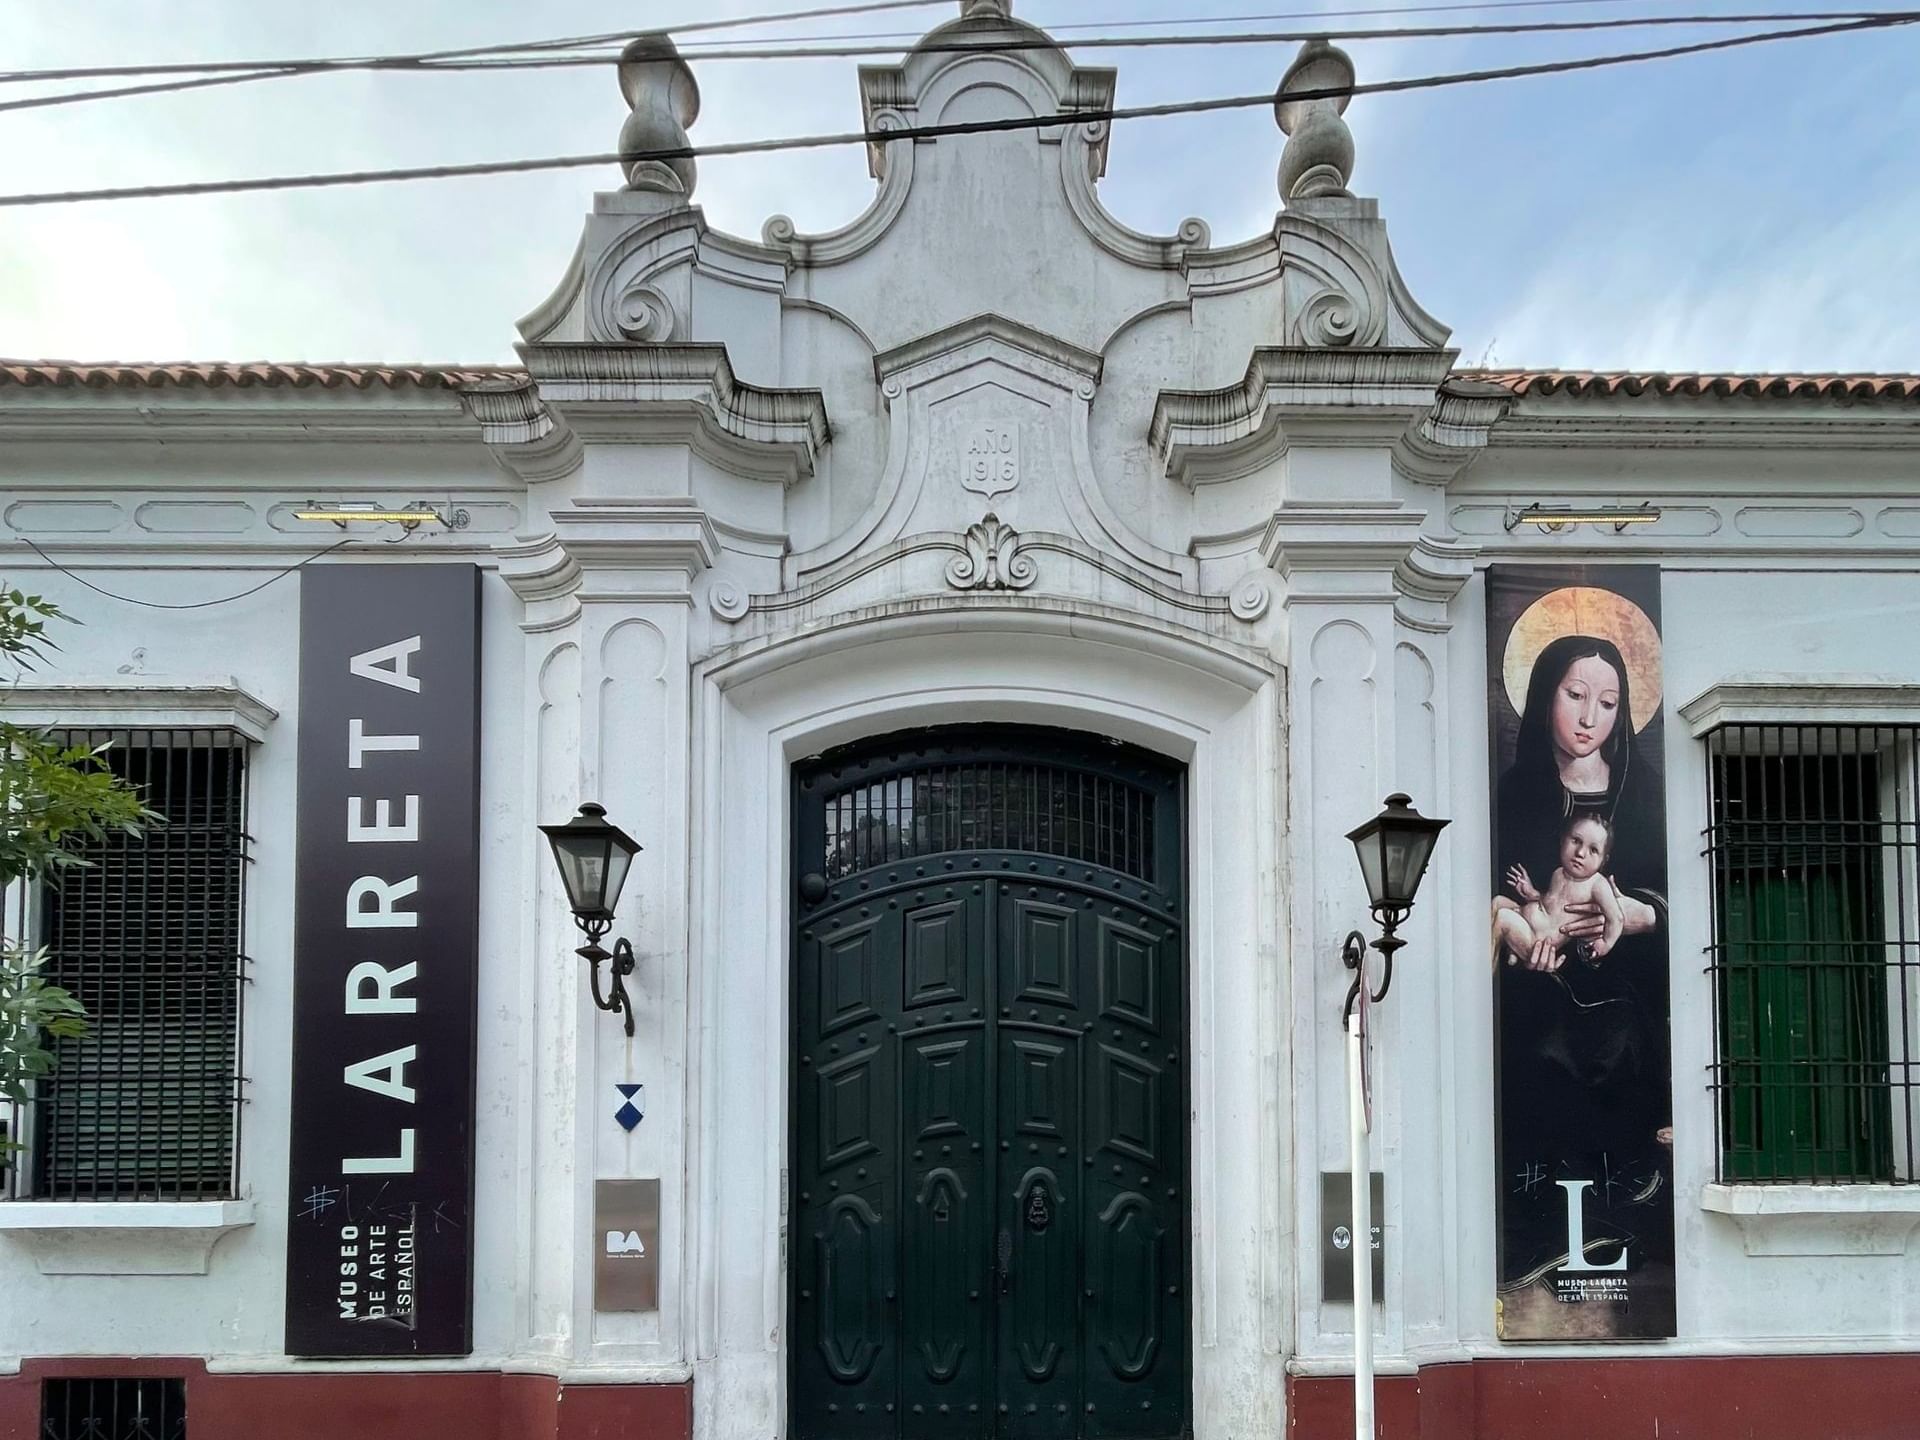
(1558, 517)
(341, 514)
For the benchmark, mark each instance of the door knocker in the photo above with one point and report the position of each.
(1039, 1212)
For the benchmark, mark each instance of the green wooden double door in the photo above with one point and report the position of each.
(988, 1216)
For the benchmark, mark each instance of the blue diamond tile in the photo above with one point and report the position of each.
(630, 1114)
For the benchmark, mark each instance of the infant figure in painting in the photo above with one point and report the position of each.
(1533, 930)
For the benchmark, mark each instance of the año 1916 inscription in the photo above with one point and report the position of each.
(990, 458)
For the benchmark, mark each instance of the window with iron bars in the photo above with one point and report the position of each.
(113, 1409)
(1815, 951)
(147, 935)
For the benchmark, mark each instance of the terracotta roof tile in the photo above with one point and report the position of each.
(1591, 384)
(118, 376)
(1576, 384)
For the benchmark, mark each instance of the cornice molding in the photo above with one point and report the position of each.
(993, 556)
(941, 344)
(1818, 1220)
(1741, 424)
(667, 534)
(1307, 537)
(1332, 552)
(1358, 396)
(586, 373)
(620, 549)
(528, 439)
(669, 393)
(147, 1237)
(138, 701)
(1428, 576)
(1802, 700)
(545, 577)
(249, 416)
(1453, 434)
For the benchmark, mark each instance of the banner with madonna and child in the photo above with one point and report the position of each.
(1578, 945)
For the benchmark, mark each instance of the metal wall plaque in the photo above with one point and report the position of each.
(385, 959)
(626, 1237)
(1336, 1237)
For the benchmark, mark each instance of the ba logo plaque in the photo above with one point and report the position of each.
(626, 1272)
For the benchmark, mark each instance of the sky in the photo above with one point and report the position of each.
(1751, 210)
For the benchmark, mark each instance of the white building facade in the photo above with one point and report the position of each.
(989, 621)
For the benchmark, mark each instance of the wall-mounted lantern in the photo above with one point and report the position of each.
(594, 856)
(1394, 848)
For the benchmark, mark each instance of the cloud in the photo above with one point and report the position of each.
(1644, 217)
(1820, 293)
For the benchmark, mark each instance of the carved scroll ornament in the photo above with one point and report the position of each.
(992, 559)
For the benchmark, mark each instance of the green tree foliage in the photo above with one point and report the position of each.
(54, 798)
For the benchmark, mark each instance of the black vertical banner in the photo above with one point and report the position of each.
(380, 1171)
(1579, 945)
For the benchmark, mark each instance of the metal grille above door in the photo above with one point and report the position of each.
(996, 801)
(989, 1139)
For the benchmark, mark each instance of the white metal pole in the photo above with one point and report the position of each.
(1362, 1243)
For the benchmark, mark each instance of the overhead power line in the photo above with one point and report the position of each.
(542, 51)
(365, 62)
(930, 132)
(693, 47)
(1153, 42)
(160, 87)
(824, 12)
(192, 604)
(417, 65)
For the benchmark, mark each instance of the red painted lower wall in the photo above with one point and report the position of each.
(1842, 1397)
(1789, 1397)
(476, 1405)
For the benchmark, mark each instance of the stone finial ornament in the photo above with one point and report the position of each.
(1319, 154)
(665, 101)
(1001, 9)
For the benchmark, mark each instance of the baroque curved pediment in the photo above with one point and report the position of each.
(989, 412)
(1036, 79)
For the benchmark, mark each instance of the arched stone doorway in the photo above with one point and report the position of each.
(989, 1189)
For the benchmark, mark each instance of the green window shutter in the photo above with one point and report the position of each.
(1804, 1036)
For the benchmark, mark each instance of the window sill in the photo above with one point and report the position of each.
(1819, 1219)
(131, 1237)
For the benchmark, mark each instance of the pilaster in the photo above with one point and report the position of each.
(1366, 584)
(609, 594)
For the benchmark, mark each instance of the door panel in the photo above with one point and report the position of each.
(846, 1111)
(1038, 1205)
(988, 1208)
(945, 1336)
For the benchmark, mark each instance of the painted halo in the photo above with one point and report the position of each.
(1587, 610)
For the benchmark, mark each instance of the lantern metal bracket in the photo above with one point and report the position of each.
(616, 999)
(1353, 955)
